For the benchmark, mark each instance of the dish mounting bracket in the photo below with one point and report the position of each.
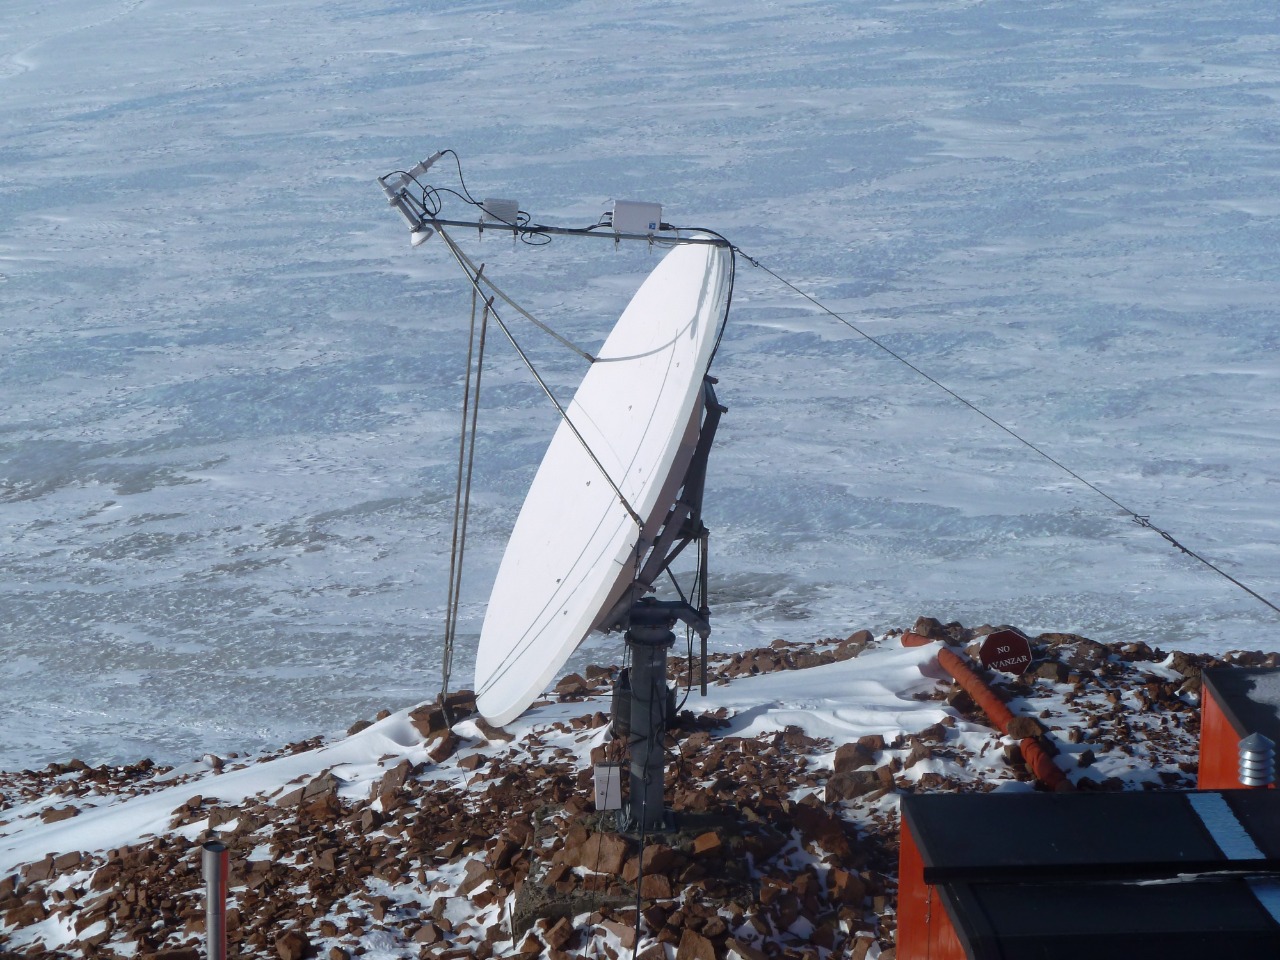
(648, 622)
(681, 527)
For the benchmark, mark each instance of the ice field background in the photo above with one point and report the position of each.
(229, 389)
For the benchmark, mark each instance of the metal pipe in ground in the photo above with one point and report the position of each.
(214, 859)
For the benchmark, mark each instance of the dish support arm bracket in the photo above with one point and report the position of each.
(682, 526)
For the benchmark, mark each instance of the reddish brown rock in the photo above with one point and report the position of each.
(1081, 653)
(845, 887)
(30, 912)
(794, 737)
(708, 845)
(933, 781)
(659, 858)
(475, 874)
(820, 826)
(694, 946)
(931, 628)
(291, 798)
(1021, 728)
(54, 814)
(919, 751)
(67, 861)
(492, 733)
(326, 861)
(806, 659)
(655, 886)
(293, 945)
(572, 686)
(429, 721)
(771, 888)
(503, 852)
(443, 750)
(934, 733)
(395, 778)
(852, 756)
(559, 935)
(959, 698)
(626, 934)
(429, 933)
(847, 786)
(220, 815)
(557, 873)
(322, 807)
(602, 853)
(325, 785)
(1051, 670)
(40, 870)
(105, 877)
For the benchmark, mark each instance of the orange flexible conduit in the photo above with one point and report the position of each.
(1037, 758)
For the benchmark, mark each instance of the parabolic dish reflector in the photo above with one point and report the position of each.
(573, 549)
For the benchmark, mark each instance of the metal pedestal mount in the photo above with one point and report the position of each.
(648, 639)
(648, 644)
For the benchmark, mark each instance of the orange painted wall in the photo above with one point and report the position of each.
(1219, 747)
(924, 929)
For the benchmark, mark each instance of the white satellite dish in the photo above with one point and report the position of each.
(576, 546)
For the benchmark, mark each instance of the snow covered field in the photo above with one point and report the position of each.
(229, 388)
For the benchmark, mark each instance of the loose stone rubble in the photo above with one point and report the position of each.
(787, 845)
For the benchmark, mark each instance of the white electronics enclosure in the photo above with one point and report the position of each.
(498, 210)
(575, 546)
(607, 778)
(633, 216)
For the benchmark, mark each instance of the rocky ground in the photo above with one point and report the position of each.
(490, 845)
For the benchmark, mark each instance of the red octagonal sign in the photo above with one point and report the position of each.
(1006, 650)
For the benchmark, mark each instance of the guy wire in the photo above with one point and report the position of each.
(469, 265)
(1136, 517)
(475, 282)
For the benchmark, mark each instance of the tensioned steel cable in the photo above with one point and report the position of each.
(1139, 519)
(475, 282)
